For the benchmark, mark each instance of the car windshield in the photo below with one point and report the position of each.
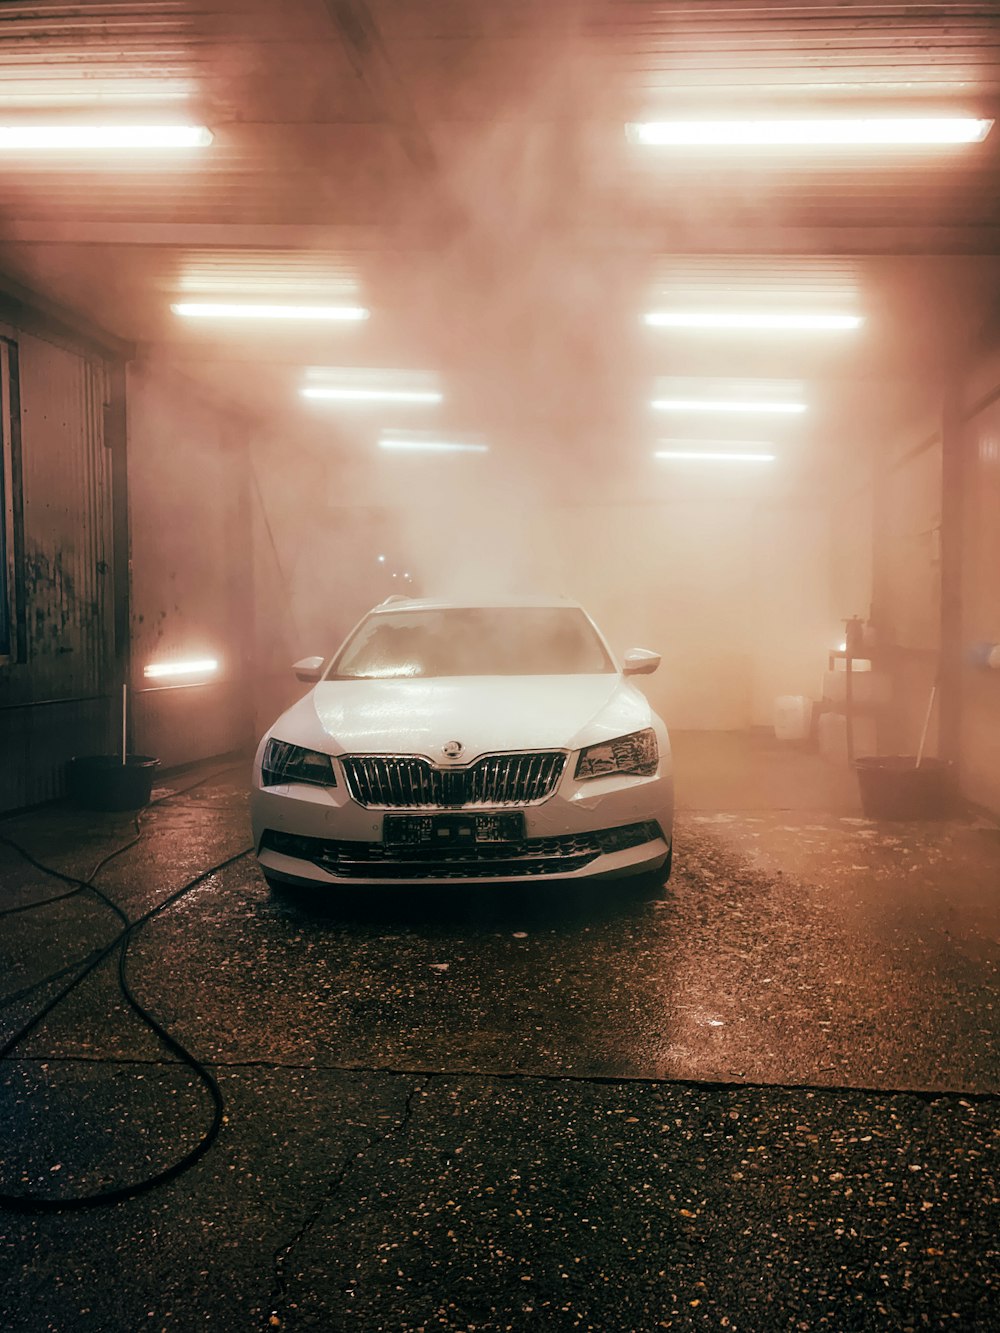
(472, 641)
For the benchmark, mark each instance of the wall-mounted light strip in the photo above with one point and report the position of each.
(85, 94)
(72, 138)
(703, 456)
(373, 395)
(239, 310)
(432, 446)
(847, 132)
(675, 442)
(165, 670)
(735, 319)
(723, 405)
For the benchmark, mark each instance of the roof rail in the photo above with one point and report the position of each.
(395, 597)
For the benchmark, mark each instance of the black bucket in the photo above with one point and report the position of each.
(892, 787)
(103, 782)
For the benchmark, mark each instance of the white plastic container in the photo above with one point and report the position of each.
(792, 717)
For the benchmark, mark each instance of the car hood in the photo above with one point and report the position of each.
(484, 713)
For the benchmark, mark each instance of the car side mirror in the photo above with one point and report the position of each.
(308, 669)
(640, 662)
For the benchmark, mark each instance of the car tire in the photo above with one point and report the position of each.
(277, 885)
(652, 881)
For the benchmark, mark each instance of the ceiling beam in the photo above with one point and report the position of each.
(178, 352)
(658, 239)
(365, 49)
(210, 235)
(29, 310)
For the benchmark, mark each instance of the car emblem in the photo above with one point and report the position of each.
(452, 749)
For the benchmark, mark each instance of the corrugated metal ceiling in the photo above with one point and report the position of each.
(309, 123)
(433, 154)
(846, 47)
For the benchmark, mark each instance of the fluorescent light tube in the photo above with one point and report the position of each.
(722, 405)
(238, 310)
(433, 446)
(200, 668)
(704, 319)
(374, 395)
(72, 137)
(85, 95)
(675, 442)
(840, 132)
(702, 456)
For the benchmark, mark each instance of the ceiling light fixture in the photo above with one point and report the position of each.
(85, 95)
(735, 319)
(432, 446)
(703, 456)
(722, 405)
(41, 138)
(373, 395)
(754, 446)
(859, 132)
(238, 310)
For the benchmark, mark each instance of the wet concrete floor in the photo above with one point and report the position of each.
(761, 1096)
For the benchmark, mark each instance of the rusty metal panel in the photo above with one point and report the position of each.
(60, 699)
(67, 518)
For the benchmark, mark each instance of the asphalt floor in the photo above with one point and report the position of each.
(761, 1096)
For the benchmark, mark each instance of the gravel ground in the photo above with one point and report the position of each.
(760, 1097)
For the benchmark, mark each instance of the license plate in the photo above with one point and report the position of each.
(451, 830)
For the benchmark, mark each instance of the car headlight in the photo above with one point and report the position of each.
(291, 763)
(635, 753)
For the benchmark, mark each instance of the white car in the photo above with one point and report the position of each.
(451, 742)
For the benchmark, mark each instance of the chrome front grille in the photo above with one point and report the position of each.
(394, 782)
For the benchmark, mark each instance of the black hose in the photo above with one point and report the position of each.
(85, 883)
(37, 1203)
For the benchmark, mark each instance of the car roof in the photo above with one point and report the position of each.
(401, 603)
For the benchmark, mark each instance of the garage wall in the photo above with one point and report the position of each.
(910, 549)
(192, 565)
(316, 569)
(980, 599)
(57, 684)
(797, 617)
(852, 520)
(186, 590)
(735, 596)
(908, 579)
(908, 585)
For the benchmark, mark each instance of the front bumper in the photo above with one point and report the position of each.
(607, 852)
(607, 827)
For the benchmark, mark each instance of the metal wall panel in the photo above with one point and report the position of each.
(918, 628)
(59, 701)
(980, 709)
(907, 583)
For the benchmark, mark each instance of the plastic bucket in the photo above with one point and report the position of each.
(892, 787)
(103, 782)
